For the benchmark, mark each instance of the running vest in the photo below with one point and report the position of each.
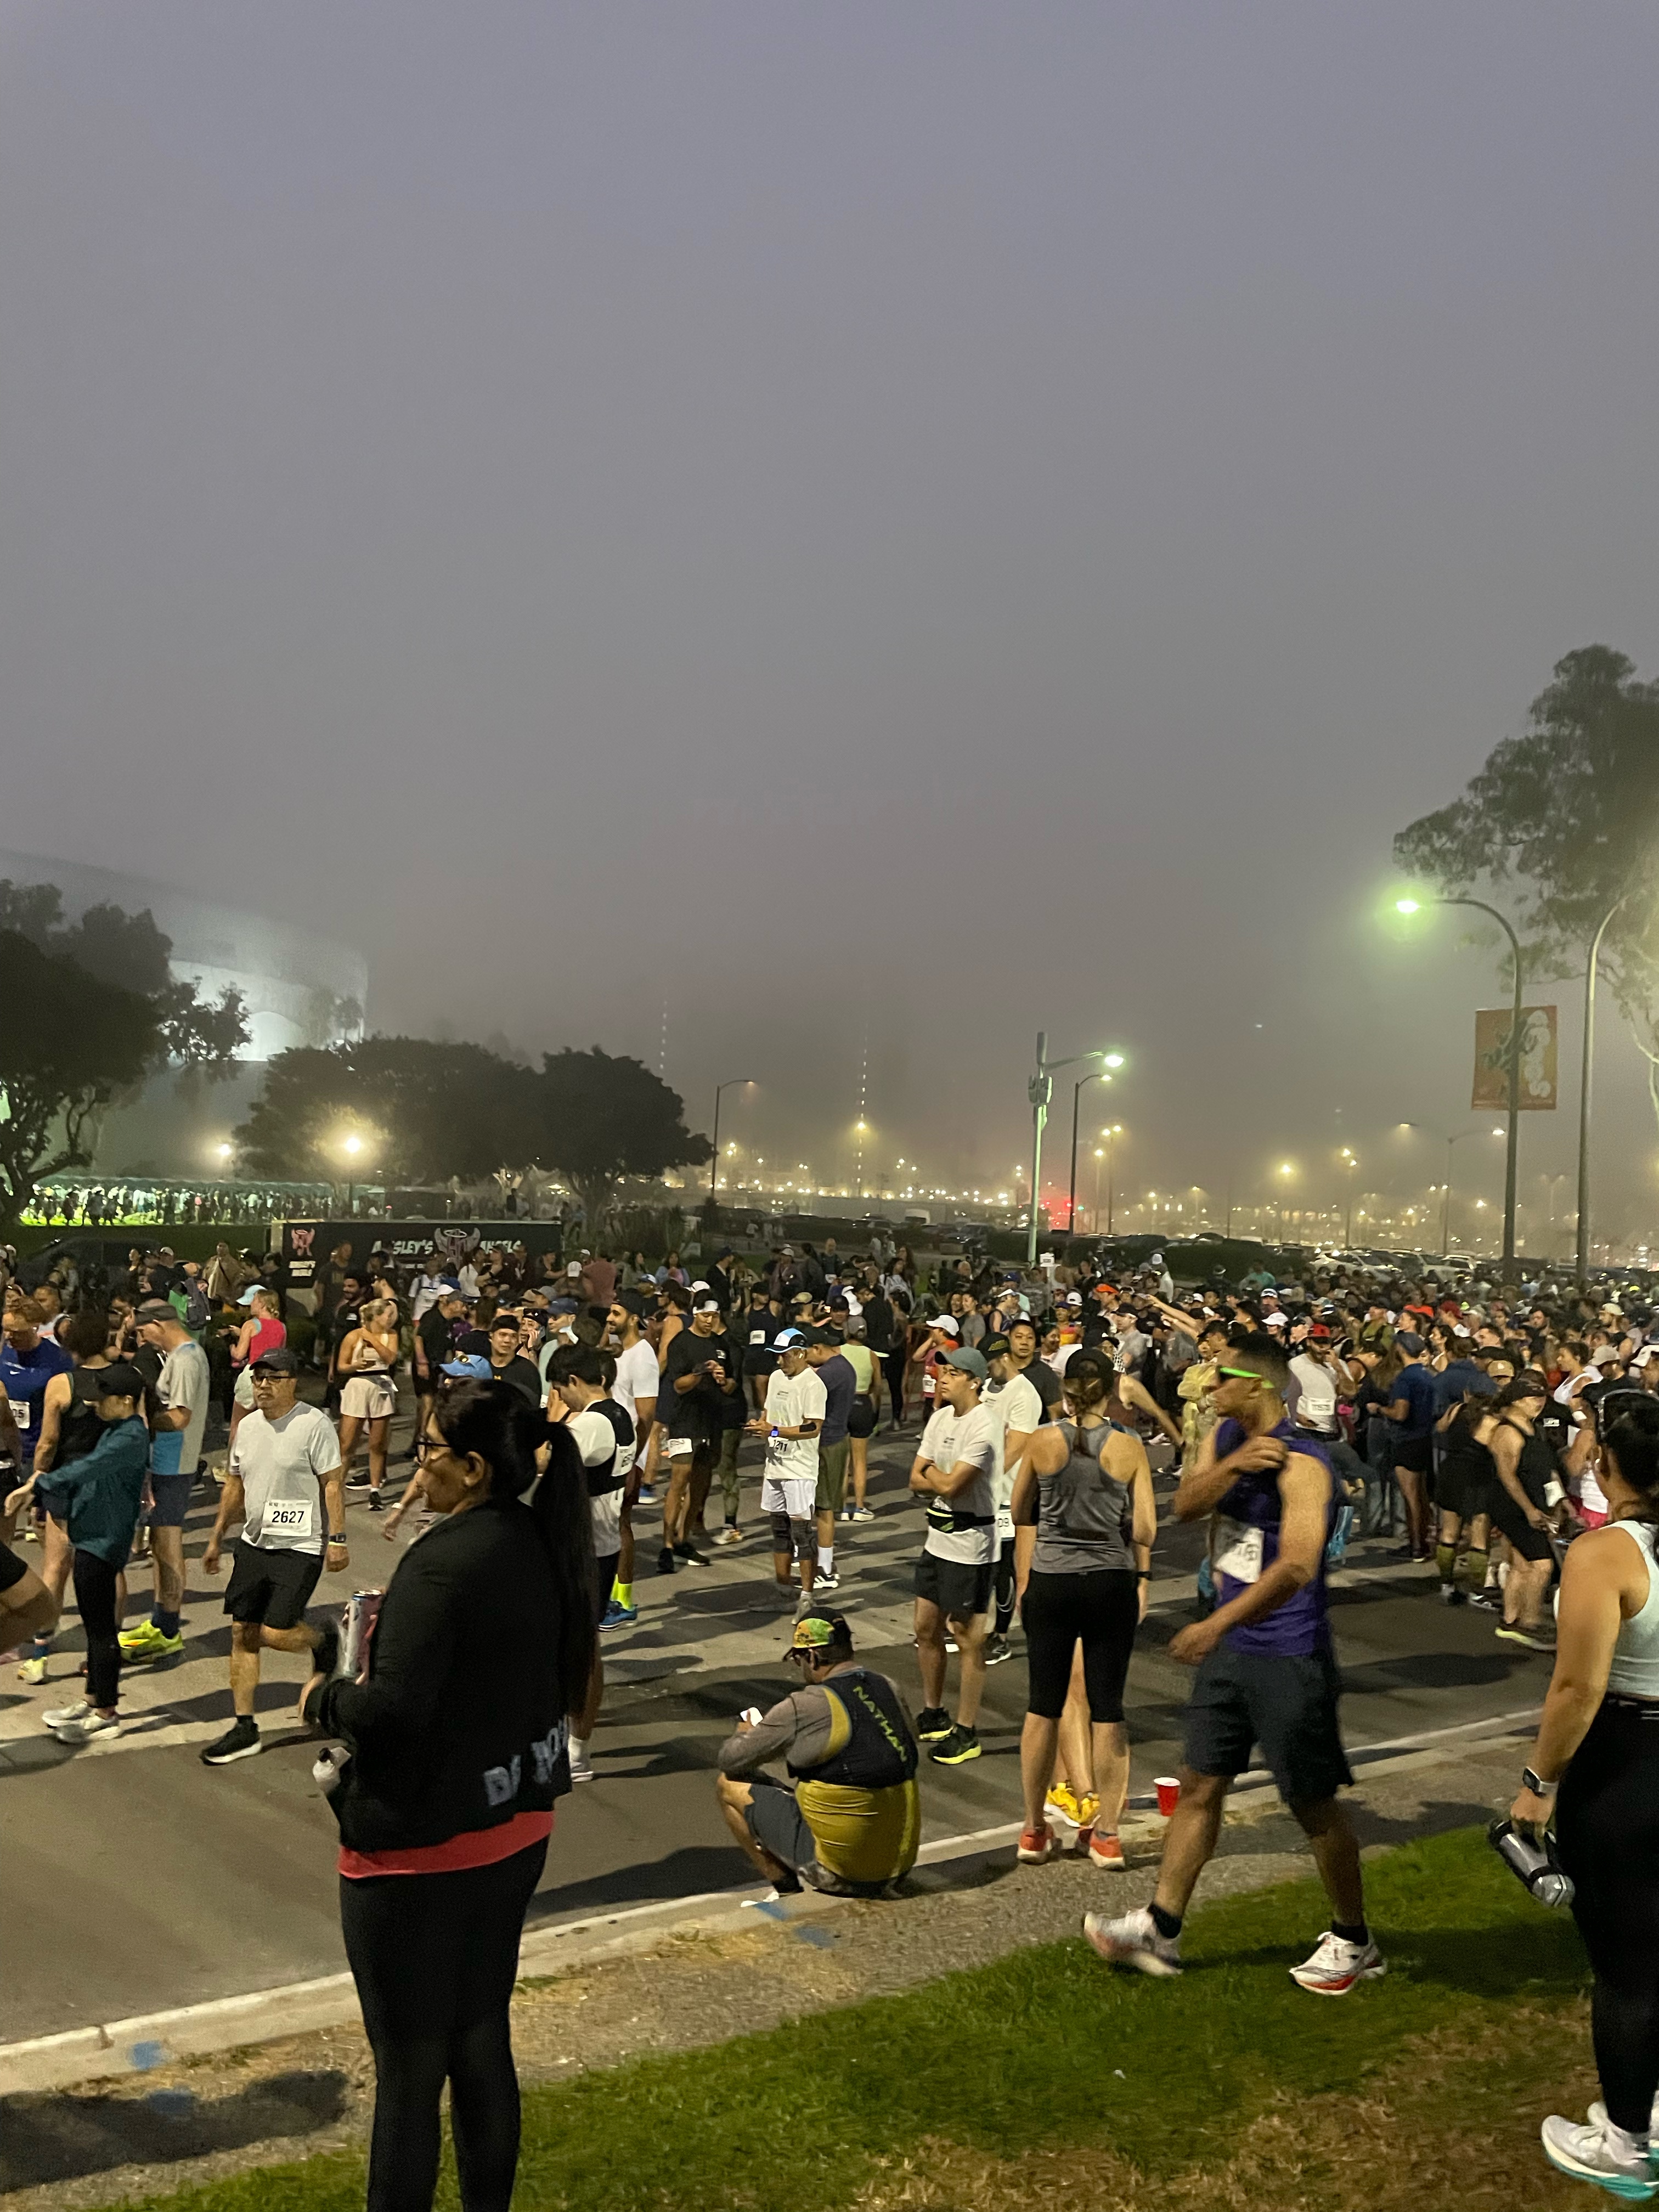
(872, 1747)
(1244, 1544)
(1085, 1516)
(601, 1480)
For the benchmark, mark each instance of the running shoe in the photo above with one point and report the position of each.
(358, 1479)
(581, 1766)
(1337, 1965)
(932, 1722)
(1487, 1601)
(665, 1561)
(1133, 1940)
(33, 1671)
(1107, 1853)
(1451, 1594)
(376, 1503)
(141, 1645)
(957, 1748)
(823, 1581)
(1088, 1807)
(1534, 1639)
(241, 1740)
(730, 1534)
(998, 1648)
(1063, 1800)
(66, 1715)
(861, 1513)
(1035, 1846)
(647, 1496)
(846, 1513)
(691, 1554)
(90, 1726)
(1601, 2153)
(618, 1616)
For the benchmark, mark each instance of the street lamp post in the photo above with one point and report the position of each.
(736, 1083)
(1113, 1059)
(1583, 1241)
(1352, 1165)
(1513, 1146)
(1040, 1089)
(1100, 1155)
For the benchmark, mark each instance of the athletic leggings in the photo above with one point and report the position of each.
(434, 1957)
(1607, 1827)
(1002, 1585)
(893, 1365)
(94, 1593)
(1060, 1611)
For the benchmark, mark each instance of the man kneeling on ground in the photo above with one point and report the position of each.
(852, 1825)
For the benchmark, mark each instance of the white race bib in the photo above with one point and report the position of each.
(20, 1408)
(1238, 1553)
(286, 1517)
(758, 1336)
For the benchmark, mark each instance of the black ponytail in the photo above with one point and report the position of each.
(1631, 1441)
(496, 1422)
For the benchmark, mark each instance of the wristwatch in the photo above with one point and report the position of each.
(1539, 1789)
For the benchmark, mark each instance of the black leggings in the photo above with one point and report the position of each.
(435, 1957)
(94, 1593)
(1100, 1611)
(893, 1364)
(1606, 1827)
(1002, 1584)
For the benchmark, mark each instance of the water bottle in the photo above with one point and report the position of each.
(1533, 1864)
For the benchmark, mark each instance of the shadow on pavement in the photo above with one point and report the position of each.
(692, 1872)
(60, 2136)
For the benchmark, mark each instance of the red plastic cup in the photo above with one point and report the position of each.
(1169, 1793)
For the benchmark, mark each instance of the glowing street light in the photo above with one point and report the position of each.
(736, 1083)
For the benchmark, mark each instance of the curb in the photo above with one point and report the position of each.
(148, 2041)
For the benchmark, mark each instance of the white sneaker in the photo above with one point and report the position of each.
(67, 1715)
(730, 1534)
(1601, 2153)
(84, 1731)
(861, 1513)
(1337, 1965)
(1133, 1940)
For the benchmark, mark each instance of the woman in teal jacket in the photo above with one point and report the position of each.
(105, 1491)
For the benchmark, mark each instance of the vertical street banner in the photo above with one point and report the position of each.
(1491, 1061)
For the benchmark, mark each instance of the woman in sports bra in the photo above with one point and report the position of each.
(369, 1391)
(1598, 1743)
(1525, 1467)
(1085, 1521)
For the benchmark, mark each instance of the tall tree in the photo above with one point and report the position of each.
(422, 1112)
(91, 1010)
(603, 1118)
(1564, 823)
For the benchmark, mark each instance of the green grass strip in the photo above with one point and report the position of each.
(1044, 2047)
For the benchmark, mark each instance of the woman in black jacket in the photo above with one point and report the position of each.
(457, 1750)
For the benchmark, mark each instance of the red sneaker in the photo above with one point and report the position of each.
(1036, 1845)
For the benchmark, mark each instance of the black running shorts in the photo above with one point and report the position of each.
(1286, 1704)
(273, 1588)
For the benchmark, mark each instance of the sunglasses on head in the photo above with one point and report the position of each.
(1239, 1374)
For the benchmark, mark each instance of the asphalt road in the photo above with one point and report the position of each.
(138, 1880)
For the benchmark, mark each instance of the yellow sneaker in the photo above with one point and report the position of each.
(147, 1642)
(1062, 1802)
(33, 1671)
(1087, 1808)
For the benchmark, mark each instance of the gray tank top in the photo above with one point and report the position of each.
(1085, 1514)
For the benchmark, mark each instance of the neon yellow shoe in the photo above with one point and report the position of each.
(33, 1671)
(139, 1646)
(1088, 1808)
(1062, 1801)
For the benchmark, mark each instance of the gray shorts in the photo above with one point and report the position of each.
(777, 1824)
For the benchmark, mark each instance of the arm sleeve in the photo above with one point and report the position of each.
(746, 1750)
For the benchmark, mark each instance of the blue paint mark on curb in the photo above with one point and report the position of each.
(145, 2056)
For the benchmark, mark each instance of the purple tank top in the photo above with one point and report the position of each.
(1247, 1542)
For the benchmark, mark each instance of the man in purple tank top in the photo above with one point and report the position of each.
(1266, 1673)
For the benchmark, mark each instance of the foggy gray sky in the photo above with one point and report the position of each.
(939, 520)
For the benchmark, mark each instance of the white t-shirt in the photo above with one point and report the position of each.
(281, 1464)
(791, 1400)
(1019, 1410)
(1314, 1402)
(429, 1289)
(949, 1438)
(596, 1440)
(637, 1377)
(183, 1381)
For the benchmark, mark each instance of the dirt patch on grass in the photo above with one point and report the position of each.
(1452, 2120)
